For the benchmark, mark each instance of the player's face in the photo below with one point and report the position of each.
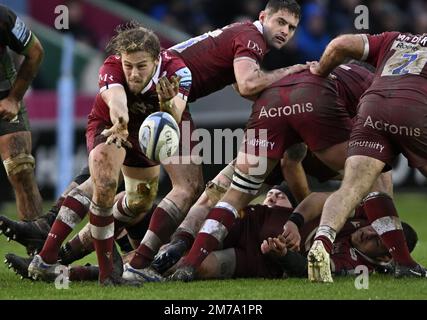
(276, 198)
(367, 241)
(279, 27)
(139, 68)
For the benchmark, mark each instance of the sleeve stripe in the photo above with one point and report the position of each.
(109, 86)
(244, 58)
(366, 47)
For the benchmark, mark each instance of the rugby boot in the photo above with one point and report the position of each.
(169, 255)
(18, 264)
(38, 269)
(141, 275)
(319, 266)
(184, 273)
(416, 271)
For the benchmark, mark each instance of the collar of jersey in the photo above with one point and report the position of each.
(259, 26)
(155, 77)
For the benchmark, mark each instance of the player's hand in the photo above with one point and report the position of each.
(275, 246)
(296, 68)
(314, 67)
(167, 89)
(9, 108)
(291, 236)
(118, 134)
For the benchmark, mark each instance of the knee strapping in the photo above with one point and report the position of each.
(246, 183)
(140, 194)
(20, 162)
(215, 191)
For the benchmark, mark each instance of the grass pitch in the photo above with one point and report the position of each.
(412, 208)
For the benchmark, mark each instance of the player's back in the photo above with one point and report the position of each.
(401, 62)
(210, 56)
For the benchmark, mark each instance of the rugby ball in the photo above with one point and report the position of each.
(159, 136)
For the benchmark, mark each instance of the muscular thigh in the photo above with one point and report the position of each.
(12, 144)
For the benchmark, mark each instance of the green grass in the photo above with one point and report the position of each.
(412, 209)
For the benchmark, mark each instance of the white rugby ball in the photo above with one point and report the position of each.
(159, 136)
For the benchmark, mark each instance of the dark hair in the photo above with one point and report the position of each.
(283, 187)
(133, 37)
(410, 235)
(289, 5)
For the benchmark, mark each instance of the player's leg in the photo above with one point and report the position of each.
(359, 177)
(248, 177)
(186, 181)
(220, 264)
(141, 190)
(105, 162)
(72, 211)
(32, 234)
(183, 238)
(15, 151)
(74, 208)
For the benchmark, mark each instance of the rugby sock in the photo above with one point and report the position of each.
(327, 235)
(383, 217)
(163, 223)
(73, 210)
(216, 227)
(102, 230)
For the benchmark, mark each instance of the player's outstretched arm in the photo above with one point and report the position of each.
(309, 209)
(115, 98)
(251, 80)
(344, 46)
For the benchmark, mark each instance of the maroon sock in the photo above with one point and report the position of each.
(205, 242)
(327, 243)
(100, 224)
(60, 230)
(162, 226)
(55, 238)
(143, 257)
(377, 206)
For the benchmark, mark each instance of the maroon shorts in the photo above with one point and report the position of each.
(386, 127)
(291, 114)
(134, 156)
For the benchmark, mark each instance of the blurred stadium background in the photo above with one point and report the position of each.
(92, 23)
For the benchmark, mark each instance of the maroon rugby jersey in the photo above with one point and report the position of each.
(352, 82)
(210, 56)
(141, 105)
(400, 59)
